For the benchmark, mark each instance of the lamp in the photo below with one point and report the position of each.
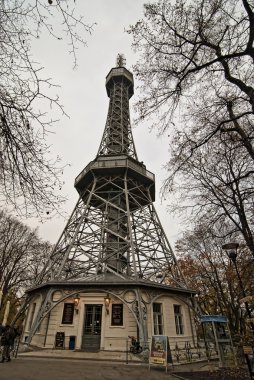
(76, 302)
(231, 250)
(107, 300)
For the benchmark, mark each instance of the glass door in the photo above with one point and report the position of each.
(91, 338)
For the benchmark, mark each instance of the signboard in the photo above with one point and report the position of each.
(247, 350)
(60, 337)
(249, 356)
(160, 353)
(213, 318)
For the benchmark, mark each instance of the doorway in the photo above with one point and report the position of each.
(91, 338)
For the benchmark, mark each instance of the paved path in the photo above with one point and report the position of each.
(24, 368)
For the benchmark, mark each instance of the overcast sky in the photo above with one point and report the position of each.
(84, 97)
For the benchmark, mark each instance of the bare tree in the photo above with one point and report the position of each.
(215, 185)
(196, 58)
(197, 84)
(30, 178)
(22, 255)
(208, 270)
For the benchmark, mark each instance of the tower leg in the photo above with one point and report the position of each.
(141, 313)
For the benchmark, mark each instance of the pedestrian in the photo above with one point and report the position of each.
(7, 341)
(2, 328)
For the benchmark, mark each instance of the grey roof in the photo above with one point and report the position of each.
(110, 279)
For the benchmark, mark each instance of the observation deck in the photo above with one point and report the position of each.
(115, 165)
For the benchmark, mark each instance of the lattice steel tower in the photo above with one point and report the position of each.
(114, 226)
(114, 229)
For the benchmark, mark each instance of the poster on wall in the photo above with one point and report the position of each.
(160, 353)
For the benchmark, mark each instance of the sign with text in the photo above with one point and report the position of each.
(60, 337)
(249, 356)
(160, 352)
(248, 350)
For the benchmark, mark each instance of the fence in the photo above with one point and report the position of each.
(182, 352)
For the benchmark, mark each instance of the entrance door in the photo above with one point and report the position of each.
(91, 339)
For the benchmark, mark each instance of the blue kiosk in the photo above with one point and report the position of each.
(216, 333)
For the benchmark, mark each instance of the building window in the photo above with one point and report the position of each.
(117, 315)
(31, 316)
(157, 319)
(178, 319)
(68, 312)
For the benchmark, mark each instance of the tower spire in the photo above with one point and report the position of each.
(120, 60)
(117, 137)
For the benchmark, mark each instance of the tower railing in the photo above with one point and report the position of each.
(114, 162)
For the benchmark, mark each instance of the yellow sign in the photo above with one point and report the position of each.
(247, 350)
(158, 360)
(249, 320)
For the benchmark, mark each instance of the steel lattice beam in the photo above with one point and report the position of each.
(114, 226)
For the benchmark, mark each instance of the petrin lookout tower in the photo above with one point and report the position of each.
(113, 255)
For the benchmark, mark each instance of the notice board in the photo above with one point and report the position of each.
(60, 340)
(160, 353)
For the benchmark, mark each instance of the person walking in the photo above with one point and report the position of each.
(2, 328)
(7, 341)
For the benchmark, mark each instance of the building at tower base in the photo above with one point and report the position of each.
(102, 314)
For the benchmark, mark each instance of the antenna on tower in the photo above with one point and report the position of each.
(120, 60)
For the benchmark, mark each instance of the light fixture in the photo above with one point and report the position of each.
(76, 300)
(107, 300)
(231, 249)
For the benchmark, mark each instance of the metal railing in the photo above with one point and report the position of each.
(182, 352)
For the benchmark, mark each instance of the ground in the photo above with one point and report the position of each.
(222, 374)
(59, 369)
(27, 368)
